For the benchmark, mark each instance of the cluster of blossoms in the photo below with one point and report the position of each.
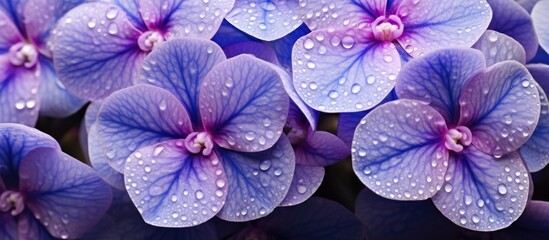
(202, 119)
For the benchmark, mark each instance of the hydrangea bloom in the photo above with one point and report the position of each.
(28, 82)
(498, 47)
(45, 193)
(453, 137)
(541, 23)
(205, 140)
(100, 46)
(350, 61)
(265, 19)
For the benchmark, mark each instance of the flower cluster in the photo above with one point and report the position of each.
(216, 119)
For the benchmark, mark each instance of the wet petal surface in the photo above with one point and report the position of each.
(541, 23)
(483, 193)
(100, 163)
(174, 188)
(498, 47)
(306, 181)
(501, 106)
(19, 89)
(243, 104)
(322, 14)
(398, 152)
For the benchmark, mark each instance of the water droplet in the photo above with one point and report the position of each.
(313, 86)
(480, 203)
(333, 94)
(308, 44)
(147, 169)
(502, 189)
(92, 22)
(448, 187)
(468, 200)
(112, 13)
(199, 194)
(462, 220)
(162, 105)
(355, 88)
(20, 105)
(113, 28)
(157, 150)
(475, 218)
(371, 79)
(220, 183)
(249, 136)
(347, 42)
(493, 36)
(174, 198)
(265, 165)
(525, 83)
(301, 189)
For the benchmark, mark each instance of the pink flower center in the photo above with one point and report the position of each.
(148, 40)
(24, 54)
(458, 138)
(387, 29)
(198, 142)
(12, 202)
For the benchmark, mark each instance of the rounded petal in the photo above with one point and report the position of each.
(69, 203)
(243, 104)
(259, 50)
(283, 46)
(306, 181)
(343, 71)
(55, 100)
(321, 149)
(16, 142)
(481, 192)
(331, 221)
(137, 117)
(40, 19)
(323, 14)
(438, 79)
(185, 18)
(131, 8)
(264, 19)
(99, 161)
(91, 114)
(95, 59)
(501, 106)
(514, 21)
(498, 47)
(18, 93)
(541, 23)
(10, 34)
(179, 66)
(432, 25)
(258, 182)
(174, 188)
(398, 152)
(534, 151)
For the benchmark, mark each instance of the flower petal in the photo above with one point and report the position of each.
(55, 100)
(40, 19)
(29, 228)
(483, 193)
(331, 221)
(343, 71)
(541, 23)
(321, 149)
(18, 89)
(243, 104)
(323, 14)
(347, 122)
(265, 20)
(306, 181)
(258, 182)
(514, 21)
(95, 59)
(69, 203)
(398, 151)
(179, 66)
(131, 8)
(433, 25)
(100, 163)
(137, 117)
(185, 18)
(283, 46)
(14, 10)
(259, 50)
(527, 4)
(172, 187)
(498, 47)
(16, 142)
(534, 151)
(501, 106)
(8, 229)
(10, 34)
(91, 114)
(438, 79)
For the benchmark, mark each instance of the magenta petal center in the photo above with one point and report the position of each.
(198, 142)
(387, 29)
(12, 202)
(24, 54)
(149, 39)
(457, 138)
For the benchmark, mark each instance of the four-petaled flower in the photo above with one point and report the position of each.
(453, 137)
(351, 60)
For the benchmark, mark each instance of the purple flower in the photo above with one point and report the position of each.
(453, 137)
(204, 140)
(28, 82)
(498, 47)
(350, 61)
(44, 192)
(541, 23)
(265, 19)
(100, 46)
